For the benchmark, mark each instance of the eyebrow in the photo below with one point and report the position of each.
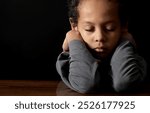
(107, 22)
(111, 21)
(86, 22)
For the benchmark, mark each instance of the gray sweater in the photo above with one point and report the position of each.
(82, 72)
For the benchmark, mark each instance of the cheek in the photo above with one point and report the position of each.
(86, 37)
(113, 41)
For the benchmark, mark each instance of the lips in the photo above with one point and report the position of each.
(100, 52)
(100, 49)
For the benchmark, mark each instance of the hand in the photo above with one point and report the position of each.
(127, 36)
(71, 35)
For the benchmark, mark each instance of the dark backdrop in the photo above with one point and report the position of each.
(32, 32)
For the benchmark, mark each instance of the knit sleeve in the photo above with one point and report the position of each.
(78, 68)
(127, 66)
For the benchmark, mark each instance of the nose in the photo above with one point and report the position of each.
(99, 36)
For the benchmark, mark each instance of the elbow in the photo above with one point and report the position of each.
(120, 86)
(127, 84)
(84, 91)
(82, 86)
(129, 80)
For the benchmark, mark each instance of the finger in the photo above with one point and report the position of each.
(129, 37)
(65, 45)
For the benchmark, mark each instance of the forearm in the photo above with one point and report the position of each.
(83, 67)
(78, 68)
(128, 68)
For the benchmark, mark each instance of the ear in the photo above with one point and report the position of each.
(73, 24)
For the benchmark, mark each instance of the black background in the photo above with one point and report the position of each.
(32, 32)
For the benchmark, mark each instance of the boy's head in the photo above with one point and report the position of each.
(100, 23)
(74, 14)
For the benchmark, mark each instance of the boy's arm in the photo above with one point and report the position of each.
(78, 68)
(128, 68)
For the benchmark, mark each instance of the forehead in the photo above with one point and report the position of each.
(98, 1)
(98, 9)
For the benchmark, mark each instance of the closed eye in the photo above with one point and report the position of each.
(110, 29)
(89, 29)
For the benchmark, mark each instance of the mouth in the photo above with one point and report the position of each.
(100, 52)
(100, 49)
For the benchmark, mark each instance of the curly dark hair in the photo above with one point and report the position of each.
(122, 7)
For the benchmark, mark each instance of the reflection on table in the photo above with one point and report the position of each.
(63, 90)
(52, 88)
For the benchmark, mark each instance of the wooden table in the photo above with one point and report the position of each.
(51, 88)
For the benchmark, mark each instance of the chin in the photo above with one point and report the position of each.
(100, 55)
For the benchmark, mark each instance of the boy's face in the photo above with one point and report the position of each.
(99, 25)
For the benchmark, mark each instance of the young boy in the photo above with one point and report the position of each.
(98, 52)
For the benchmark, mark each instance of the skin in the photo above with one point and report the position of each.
(98, 27)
